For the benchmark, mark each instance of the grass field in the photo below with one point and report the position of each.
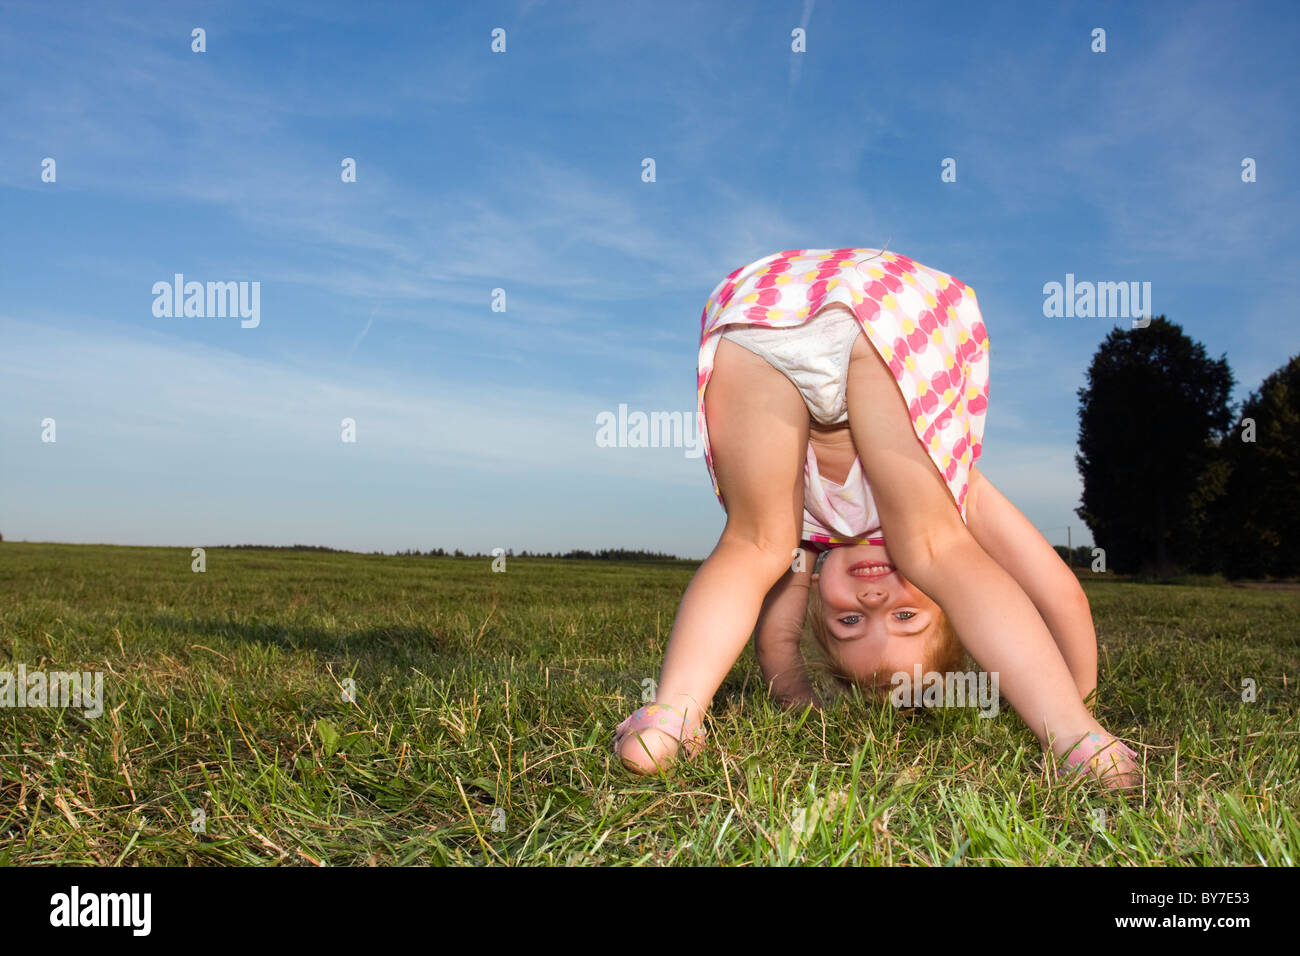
(484, 705)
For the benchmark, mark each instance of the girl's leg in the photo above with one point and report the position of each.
(928, 541)
(758, 435)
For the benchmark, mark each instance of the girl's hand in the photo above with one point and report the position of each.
(777, 637)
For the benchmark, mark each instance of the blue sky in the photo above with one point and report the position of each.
(522, 171)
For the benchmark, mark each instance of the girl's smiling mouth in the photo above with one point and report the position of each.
(871, 569)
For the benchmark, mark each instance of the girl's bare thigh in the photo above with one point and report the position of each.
(758, 436)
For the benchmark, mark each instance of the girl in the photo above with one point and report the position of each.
(847, 408)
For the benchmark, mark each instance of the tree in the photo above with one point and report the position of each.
(1257, 521)
(1150, 421)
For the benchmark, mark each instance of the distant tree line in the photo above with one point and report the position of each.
(286, 547)
(605, 554)
(1175, 477)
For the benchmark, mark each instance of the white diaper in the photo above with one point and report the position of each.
(814, 356)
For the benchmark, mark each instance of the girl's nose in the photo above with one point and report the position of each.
(873, 595)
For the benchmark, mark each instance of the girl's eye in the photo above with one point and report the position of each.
(854, 618)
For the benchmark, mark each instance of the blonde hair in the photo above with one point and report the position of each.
(879, 254)
(945, 653)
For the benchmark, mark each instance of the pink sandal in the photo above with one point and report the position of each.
(666, 718)
(1087, 752)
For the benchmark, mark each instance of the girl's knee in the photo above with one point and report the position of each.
(919, 555)
(770, 552)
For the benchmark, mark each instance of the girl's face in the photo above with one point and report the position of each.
(879, 621)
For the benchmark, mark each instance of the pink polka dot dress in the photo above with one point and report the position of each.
(926, 326)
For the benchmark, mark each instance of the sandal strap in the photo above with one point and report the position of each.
(666, 718)
(1090, 747)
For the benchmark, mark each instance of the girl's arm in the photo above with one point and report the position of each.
(777, 638)
(936, 550)
(1014, 543)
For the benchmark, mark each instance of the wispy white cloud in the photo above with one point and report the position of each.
(796, 58)
(134, 407)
